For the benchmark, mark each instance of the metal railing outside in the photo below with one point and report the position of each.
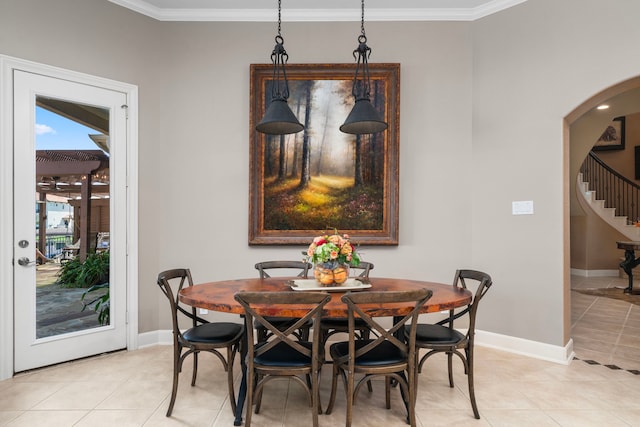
(616, 190)
(55, 243)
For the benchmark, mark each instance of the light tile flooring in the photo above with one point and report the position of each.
(133, 388)
(603, 329)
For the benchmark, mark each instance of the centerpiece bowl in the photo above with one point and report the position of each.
(331, 255)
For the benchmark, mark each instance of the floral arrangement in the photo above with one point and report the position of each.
(334, 249)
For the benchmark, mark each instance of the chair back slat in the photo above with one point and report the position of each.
(287, 269)
(181, 276)
(460, 279)
(357, 304)
(254, 304)
(302, 266)
(363, 268)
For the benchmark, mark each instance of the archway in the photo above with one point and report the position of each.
(582, 127)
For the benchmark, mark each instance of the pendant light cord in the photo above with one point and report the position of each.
(280, 19)
(362, 18)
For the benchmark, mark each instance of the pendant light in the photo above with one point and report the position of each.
(363, 118)
(279, 119)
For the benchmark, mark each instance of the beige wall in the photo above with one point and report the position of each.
(482, 107)
(534, 64)
(593, 244)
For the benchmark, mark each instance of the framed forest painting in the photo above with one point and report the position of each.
(320, 179)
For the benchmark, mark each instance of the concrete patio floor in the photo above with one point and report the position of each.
(58, 309)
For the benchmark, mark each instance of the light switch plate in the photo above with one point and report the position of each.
(524, 207)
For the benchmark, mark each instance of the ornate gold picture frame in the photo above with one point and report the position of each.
(301, 185)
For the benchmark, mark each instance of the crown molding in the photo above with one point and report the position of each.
(318, 15)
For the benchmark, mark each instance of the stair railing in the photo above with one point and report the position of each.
(616, 190)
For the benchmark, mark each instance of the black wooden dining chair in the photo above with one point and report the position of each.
(334, 325)
(288, 268)
(201, 336)
(443, 338)
(283, 355)
(387, 355)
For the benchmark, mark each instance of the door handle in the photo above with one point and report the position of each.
(24, 261)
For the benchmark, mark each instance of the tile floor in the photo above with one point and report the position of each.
(133, 388)
(603, 329)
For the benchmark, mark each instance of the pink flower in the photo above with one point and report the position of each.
(332, 247)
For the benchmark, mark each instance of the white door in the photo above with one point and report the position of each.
(32, 347)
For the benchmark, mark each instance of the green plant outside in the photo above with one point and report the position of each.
(93, 274)
(77, 274)
(101, 304)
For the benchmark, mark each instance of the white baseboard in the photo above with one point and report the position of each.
(594, 273)
(538, 350)
(535, 349)
(161, 337)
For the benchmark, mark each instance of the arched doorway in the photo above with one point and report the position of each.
(583, 126)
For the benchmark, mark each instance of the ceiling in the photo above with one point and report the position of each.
(316, 10)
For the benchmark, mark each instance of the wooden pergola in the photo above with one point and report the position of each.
(67, 173)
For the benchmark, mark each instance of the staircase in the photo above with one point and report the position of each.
(610, 195)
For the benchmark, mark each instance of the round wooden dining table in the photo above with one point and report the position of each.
(219, 296)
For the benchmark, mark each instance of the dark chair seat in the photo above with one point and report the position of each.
(384, 354)
(283, 355)
(213, 332)
(438, 334)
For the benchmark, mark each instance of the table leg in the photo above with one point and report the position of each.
(242, 393)
(630, 262)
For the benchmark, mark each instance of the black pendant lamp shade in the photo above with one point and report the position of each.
(363, 118)
(279, 119)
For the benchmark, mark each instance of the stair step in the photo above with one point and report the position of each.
(620, 223)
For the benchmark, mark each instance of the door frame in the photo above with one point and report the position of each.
(7, 65)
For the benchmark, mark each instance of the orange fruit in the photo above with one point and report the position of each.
(340, 275)
(326, 277)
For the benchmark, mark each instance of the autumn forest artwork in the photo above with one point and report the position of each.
(321, 178)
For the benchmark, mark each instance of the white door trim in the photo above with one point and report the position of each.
(7, 65)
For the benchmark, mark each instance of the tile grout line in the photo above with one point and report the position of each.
(624, 323)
